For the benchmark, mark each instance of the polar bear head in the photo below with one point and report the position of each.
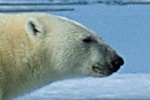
(72, 49)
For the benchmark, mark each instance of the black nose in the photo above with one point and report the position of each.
(117, 63)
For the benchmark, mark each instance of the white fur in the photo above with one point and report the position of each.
(38, 26)
(30, 60)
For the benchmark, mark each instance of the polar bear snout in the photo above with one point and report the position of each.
(116, 63)
(108, 67)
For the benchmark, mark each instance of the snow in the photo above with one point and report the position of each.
(115, 87)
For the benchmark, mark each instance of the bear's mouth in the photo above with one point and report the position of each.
(102, 70)
(96, 69)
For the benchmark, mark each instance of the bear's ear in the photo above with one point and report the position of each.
(34, 28)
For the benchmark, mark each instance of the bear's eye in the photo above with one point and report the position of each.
(87, 40)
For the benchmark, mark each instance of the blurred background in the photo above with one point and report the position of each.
(123, 24)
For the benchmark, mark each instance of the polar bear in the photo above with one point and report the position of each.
(37, 49)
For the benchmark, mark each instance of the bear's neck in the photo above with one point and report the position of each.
(23, 66)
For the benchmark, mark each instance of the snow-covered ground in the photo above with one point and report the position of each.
(115, 87)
